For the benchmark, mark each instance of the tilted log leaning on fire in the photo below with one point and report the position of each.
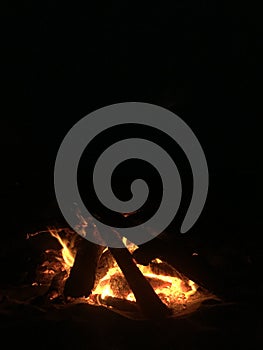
(177, 254)
(82, 277)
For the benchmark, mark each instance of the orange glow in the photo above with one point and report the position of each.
(172, 290)
(68, 255)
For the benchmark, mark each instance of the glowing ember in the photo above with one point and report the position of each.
(56, 263)
(172, 288)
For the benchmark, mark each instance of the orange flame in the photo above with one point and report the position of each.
(67, 254)
(170, 289)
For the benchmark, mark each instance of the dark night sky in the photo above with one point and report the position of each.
(201, 59)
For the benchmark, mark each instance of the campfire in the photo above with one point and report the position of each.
(73, 270)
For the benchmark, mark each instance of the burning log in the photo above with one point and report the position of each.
(191, 265)
(120, 304)
(82, 275)
(147, 300)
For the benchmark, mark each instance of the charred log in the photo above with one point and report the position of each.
(82, 275)
(147, 300)
(177, 255)
(120, 304)
(56, 287)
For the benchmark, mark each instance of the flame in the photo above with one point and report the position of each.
(129, 245)
(172, 290)
(67, 254)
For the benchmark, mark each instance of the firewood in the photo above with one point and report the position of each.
(55, 289)
(82, 275)
(193, 266)
(147, 300)
(121, 304)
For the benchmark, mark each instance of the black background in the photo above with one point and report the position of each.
(200, 59)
